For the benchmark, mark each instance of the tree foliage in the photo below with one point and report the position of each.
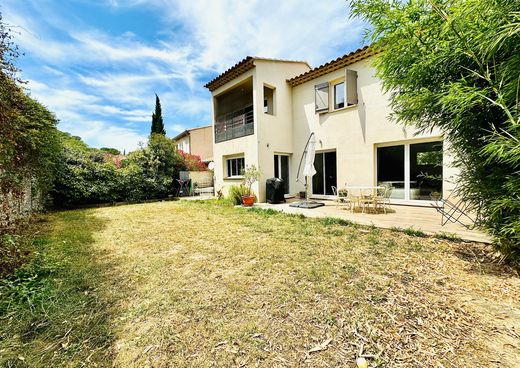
(89, 176)
(157, 119)
(28, 136)
(112, 151)
(454, 65)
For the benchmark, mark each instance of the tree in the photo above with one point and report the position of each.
(29, 143)
(112, 151)
(455, 65)
(157, 120)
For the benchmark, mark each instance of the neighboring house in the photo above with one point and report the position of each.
(196, 141)
(264, 111)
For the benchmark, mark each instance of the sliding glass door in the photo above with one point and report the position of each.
(281, 170)
(325, 178)
(414, 171)
(390, 169)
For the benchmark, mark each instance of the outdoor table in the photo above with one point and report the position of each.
(362, 197)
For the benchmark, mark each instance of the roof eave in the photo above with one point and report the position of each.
(341, 62)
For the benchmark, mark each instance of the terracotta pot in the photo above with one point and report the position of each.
(248, 201)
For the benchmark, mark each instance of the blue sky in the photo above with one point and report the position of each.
(98, 63)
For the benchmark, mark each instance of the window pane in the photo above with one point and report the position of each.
(390, 169)
(426, 171)
(284, 174)
(330, 172)
(317, 179)
(339, 95)
(240, 166)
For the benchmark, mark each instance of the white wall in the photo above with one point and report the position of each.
(355, 131)
(275, 132)
(244, 146)
(183, 144)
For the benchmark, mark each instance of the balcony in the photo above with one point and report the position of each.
(236, 124)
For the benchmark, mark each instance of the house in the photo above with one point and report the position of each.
(265, 109)
(196, 141)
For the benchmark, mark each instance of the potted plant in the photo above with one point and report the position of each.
(251, 176)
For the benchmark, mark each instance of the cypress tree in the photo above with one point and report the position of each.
(157, 120)
(154, 124)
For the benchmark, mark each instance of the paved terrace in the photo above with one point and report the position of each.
(426, 219)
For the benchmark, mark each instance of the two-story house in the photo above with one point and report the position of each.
(265, 109)
(196, 141)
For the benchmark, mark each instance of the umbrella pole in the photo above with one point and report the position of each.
(306, 190)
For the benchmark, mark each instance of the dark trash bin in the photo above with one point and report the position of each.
(275, 190)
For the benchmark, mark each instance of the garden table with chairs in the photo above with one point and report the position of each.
(364, 198)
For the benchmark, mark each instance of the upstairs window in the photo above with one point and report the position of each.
(339, 95)
(321, 97)
(235, 166)
(269, 95)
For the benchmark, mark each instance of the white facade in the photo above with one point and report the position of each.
(184, 144)
(350, 139)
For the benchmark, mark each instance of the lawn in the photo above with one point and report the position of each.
(191, 284)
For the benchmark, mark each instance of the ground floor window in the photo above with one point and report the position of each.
(325, 177)
(281, 170)
(235, 166)
(414, 171)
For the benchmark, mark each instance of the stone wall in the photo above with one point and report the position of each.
(19, 203)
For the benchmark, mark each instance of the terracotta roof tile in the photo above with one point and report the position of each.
(341, 62)
(241, 67)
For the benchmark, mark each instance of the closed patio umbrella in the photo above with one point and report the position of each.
(309, 171)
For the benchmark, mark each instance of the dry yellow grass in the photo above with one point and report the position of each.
(205, 285)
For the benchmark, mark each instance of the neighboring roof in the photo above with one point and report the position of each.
(241, 67)
(180, 135)
(187, 131)
(341, 62)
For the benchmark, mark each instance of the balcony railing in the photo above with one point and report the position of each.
(235, 125)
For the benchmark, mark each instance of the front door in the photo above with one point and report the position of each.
(325, 178)
(281, 170)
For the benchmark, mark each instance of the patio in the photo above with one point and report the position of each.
(425, 219)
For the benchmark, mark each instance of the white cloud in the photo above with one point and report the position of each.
(100, 134)
(101, 83)
(225, 31)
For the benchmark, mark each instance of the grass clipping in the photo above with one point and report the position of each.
(204, 285)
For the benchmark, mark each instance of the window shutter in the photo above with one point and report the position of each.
(321, 97)
(352, 94)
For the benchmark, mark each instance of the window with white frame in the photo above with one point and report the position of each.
(235, 166)
(269, 98)
(339, 95)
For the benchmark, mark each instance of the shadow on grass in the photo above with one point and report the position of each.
(52, 311)
(482, 259)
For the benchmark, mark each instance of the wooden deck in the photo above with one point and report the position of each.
(426, 219)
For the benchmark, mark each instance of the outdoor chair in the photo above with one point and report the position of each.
(366, 199)
(382, 199)
(341, 196)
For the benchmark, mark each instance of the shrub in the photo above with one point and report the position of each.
(191, 162)
(251, 176)
(443, 70)
(88, 176)
(236, 192)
